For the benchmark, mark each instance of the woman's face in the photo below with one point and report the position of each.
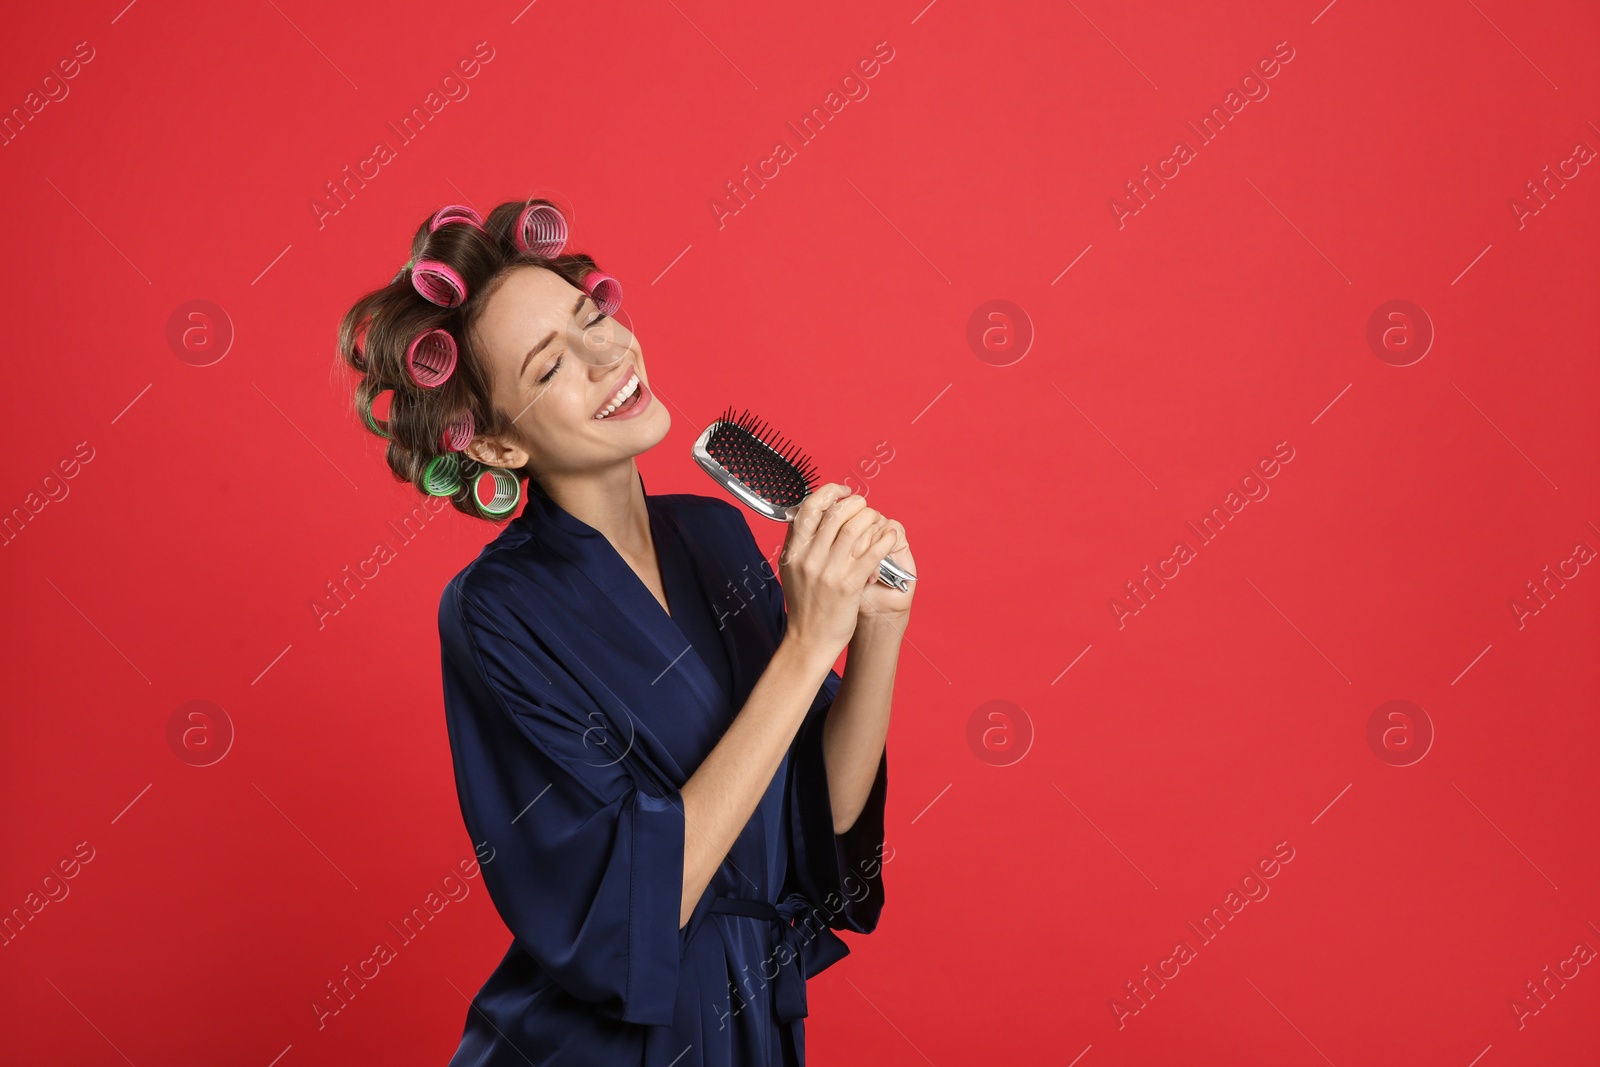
(554, 363)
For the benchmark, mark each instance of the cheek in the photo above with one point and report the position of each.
(530, 403)
(575, 404)
(565, 400)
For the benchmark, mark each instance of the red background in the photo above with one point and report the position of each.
(1229, 715)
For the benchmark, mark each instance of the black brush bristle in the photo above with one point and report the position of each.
(770, 465)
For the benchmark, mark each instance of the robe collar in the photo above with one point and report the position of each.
(743, 633)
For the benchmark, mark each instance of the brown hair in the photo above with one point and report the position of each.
(375, 333)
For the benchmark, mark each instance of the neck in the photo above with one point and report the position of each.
(611, 501)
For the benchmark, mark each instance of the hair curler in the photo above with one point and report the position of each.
(431, 358)
(458, 434)
(541, 230)
(606, 291)
(455, 213)
(375, 424)
(507, 493)
(438, 283)
(442, 476)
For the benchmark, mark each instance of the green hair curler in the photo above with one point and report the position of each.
(442, 476)
(507, 493)
(375, 424)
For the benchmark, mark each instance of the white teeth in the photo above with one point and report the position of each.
(627, 391)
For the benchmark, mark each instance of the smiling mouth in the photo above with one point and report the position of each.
(624, 398)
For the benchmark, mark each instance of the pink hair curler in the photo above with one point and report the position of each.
(455, 213)
(606, 291)
(541, 230)
(458, 434)
(438, 283)
(431, 358)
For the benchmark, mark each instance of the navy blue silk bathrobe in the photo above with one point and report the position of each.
(577, 708)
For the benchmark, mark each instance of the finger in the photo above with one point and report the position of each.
(900, 544)
(854, 538)
(877, 549)
(882, 543)
(809, 514)
(836, 516)
(857, 535)
(872, 546)
(850, 507)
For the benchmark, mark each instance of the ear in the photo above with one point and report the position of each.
(497, 452)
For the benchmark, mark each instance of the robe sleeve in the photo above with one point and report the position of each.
(587, 865)
(842, 874)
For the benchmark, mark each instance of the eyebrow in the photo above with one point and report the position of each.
(551, 336)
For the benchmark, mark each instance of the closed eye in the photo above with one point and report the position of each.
(551, 373)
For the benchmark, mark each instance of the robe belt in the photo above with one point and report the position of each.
(798, 956)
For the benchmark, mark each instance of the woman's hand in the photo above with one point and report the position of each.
(885, 603)
(832, 551)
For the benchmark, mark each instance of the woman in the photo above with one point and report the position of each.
(676, 800)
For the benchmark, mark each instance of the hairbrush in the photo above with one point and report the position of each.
(768, 474)
(605, 290)
(541, 230)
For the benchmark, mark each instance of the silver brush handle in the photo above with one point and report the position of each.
(891, 573)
